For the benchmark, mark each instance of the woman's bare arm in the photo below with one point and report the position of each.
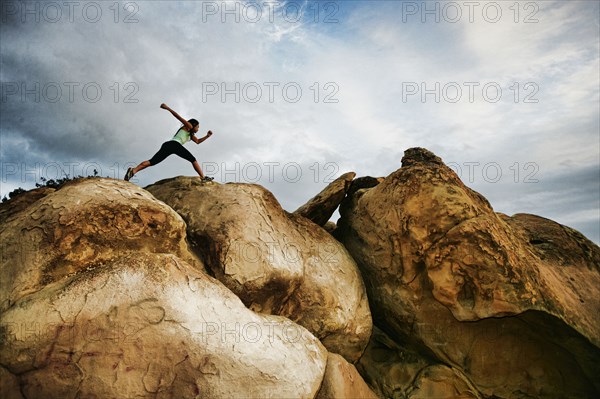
(176, 115)
(198, 141)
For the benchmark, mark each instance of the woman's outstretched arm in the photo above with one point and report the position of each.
(176, 115)
(198, 141)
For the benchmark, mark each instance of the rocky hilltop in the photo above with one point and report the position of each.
(187, 289)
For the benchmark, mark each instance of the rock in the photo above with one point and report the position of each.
(446, 272)
(330, 227)
(151, 325)
(441, 382)
(398, 370)
(363, 182)
(242, 234)
(556, 244)
(9, 385)
(341, 380)
(360, 184)
(277, 263)
(22, 201)
(338, 314)
(320, 208)
(48, 234)
(389, 368)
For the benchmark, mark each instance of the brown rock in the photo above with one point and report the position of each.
(150, 325)
(395, 370)
(446, 272)
(556, 244)
(330, 227)
(342, 381)
(363, 182)
(9, 385)
(277, 263)
(48, 234)
(320, 208)
(442, 382)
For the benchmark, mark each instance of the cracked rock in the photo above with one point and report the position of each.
(150, 325)
(276, 262)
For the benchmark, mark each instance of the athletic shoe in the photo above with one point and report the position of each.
(129, 174)
(207, 179)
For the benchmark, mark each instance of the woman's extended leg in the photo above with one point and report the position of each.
(133, 171)
(141, 166)
(165, 150)
(197, 168)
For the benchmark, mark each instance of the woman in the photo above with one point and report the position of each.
(175, 146)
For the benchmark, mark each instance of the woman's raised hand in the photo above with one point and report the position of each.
(164, 106)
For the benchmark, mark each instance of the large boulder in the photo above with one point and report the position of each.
(322, 206)
(150, 325)
(446, 272)
(49, 234)
(277, 263)
(336, 313)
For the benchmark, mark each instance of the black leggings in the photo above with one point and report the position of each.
(171, 147)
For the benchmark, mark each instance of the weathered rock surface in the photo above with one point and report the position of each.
(101, 294)
(320, 208)
(277, 263)
(399, 371)
(445, 271)
(341, 380)
(150, 325)
(9, 385)
(241, 232)
(22, 201)
(441, 381)
(47, 234)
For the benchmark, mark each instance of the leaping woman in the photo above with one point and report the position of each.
(175, 146)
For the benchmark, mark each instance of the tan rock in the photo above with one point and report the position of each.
(342, 381)
(150, 325)
(277, 263)
(22, 201)
(240, 231)
(320, 208)
(445, 271)
(337, 313)
(48, 234)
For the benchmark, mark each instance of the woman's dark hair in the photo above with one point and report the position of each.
(193, 122)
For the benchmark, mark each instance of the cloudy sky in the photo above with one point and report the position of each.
(506, 93)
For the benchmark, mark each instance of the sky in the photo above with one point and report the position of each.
(297, 93)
